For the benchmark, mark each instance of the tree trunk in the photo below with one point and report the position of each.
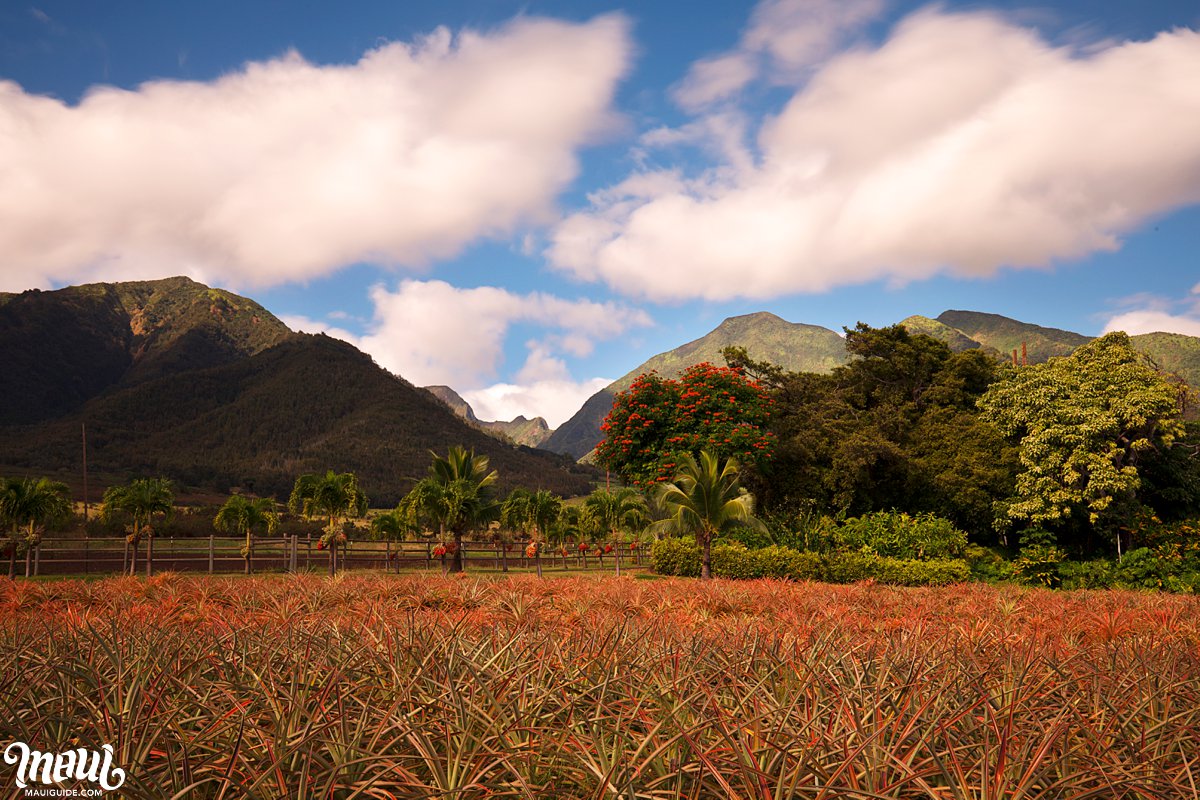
(456, 564)
(332, 559)
(133, 559)
(387, 556)
(12, 559)
(149, 555)
(249, 551)
(504, 556)
(706, 560)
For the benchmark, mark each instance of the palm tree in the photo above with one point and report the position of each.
(705, 500)
(535, 513)
(545, 508)
(623, 509)
(391, 526)
(241, 515)
(463, 488)
(36, 503)
(142, 499)
(515, 516)
(332, 495)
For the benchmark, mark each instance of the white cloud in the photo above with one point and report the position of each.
(430, 332)
(555, 400)
(1153, 321)
(304, 324)
(285, 170)
(433, 333)
(785, 38)
(961, 145)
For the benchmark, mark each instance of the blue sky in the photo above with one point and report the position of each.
(525, 200)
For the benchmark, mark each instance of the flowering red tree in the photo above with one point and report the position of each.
(657, 419)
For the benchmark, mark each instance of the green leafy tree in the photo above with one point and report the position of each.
(335, 496)
(617, 511)
(242, 516)
(29, 504)
(1083, 423)
(706, 499)
(895, 428)
(143, 499)
(658, 420)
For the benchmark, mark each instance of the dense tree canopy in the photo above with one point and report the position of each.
(897, 427)
(1084, 422)
(659, 420)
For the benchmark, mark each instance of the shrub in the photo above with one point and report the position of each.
(851, 567)
(676, 557)
(784, 562)
(987, 564)
(682, 557)
(896, 534)
(735, 561)
(1143, 569)
(1039, 564)
(1096, 574)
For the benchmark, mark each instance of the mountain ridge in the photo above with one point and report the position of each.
(193, 388)
(992, 333)
(519, 430)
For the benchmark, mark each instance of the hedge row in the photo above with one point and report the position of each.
(682, 557)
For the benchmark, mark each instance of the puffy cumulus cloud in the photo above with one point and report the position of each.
(555, 400)
(433, 333)
(961, 145)
(285, 170)
(784, 39)
(430, 332)
(1152, 314)
(1154, 321)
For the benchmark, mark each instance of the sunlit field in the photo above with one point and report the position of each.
(419, 686)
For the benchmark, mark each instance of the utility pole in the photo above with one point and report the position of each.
(85, 480)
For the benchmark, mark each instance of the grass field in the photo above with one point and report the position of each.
(385, 686)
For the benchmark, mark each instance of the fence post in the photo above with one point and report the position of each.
(295, 544)
(86, 541)
(211, 553)
(428, 556)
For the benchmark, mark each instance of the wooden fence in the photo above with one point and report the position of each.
(218, 554)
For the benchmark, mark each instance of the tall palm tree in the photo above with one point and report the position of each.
(545, 507)
(391, 526)
(35, 503)
(466, 501)
(616, 511)
(334, 496)
(241, 515)
(535, 513)
(705, 500)
(143, 499)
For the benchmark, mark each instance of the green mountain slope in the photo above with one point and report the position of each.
(955, 339)
(1005, 335)
(64, 347)
(792, 345)
(1173, 352)
(183, 384)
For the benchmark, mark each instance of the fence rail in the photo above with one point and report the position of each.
(218, 554)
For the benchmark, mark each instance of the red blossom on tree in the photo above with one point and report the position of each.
(657, 420)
